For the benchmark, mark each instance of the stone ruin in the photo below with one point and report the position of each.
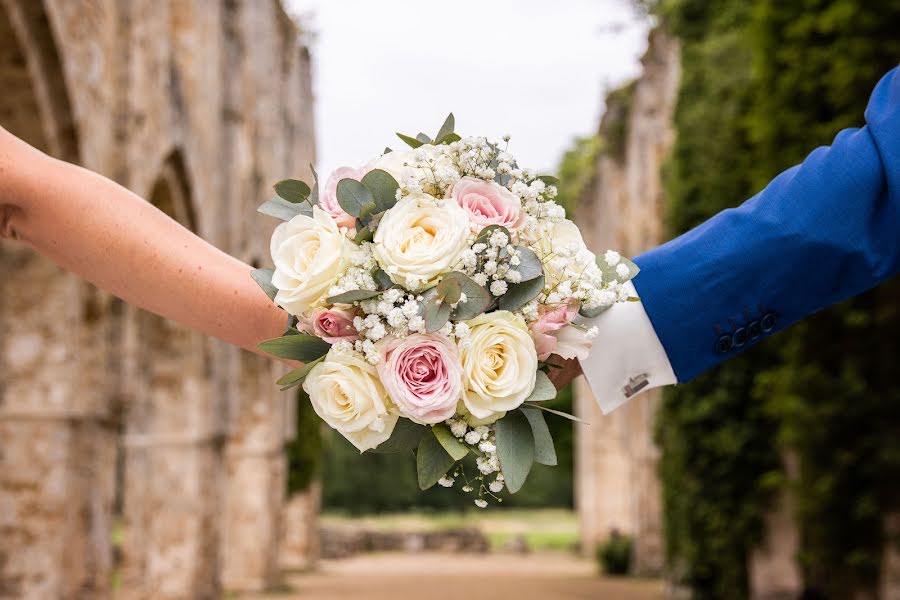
(118, 428)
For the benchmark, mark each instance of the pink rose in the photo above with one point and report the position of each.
(328, 200)
(423, 376)
(553, 334)
(488, 203)
(331, 324)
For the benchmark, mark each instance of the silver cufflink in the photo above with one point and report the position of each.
(635, 385)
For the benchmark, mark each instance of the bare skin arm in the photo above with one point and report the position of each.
(99, 230)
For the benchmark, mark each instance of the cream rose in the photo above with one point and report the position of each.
(309, 255)
(556, 246)
(420, 239)
(346, 393)
(396, 162)
(499, 364)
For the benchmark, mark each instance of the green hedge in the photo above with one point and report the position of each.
(763, 83)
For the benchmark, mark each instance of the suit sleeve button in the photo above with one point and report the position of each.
(739, 338)
(723, 345)
(754, 330)
(768, 322)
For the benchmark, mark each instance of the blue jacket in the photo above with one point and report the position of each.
(820, 232)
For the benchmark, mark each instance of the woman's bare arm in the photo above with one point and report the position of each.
(96, 228)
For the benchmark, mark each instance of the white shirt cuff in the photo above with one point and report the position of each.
(627, 357)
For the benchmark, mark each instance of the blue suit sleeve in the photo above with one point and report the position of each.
(820, 232)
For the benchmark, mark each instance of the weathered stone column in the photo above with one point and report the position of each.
(55, 449)
(890, 561)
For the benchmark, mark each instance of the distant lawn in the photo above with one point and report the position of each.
(542, 529)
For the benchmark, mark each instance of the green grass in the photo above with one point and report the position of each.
(542, 529)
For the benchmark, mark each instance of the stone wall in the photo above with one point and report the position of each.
(198, 106)
(617, 487)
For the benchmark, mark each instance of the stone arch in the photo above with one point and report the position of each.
(172, 439)
(35, 104)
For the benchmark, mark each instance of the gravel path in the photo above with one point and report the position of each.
(469, 577)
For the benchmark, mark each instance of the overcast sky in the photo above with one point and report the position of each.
(536, 69)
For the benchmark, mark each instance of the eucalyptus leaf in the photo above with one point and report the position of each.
(314, 194)
(478, 298)
(436, 313)
(300, 347)
(590, 313)
(296, 377)
(366, 211)
(284, 210)
(292, 190)
(353, 296)
(529, 264)
(544, 450)
(448, 139)
(263, 278)
(549, 179)
(610, 272)
(449, 290)
(447, 128)
(363, 234)
(432, 461)
(456, 449)
(515, 449)
(485, 234)
(383, 187)
(520, 294)
(387, 150)
(405, 438)
(423, 137)
(410, 141)
(353, 196)
(544, 389)
(382, 279)
(558, 413)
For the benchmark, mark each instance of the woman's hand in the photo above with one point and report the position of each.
(96, 228)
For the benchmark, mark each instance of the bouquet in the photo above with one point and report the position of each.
(430, 293)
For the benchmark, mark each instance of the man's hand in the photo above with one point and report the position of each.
(562, 372)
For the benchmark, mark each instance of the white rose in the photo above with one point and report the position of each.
(558, 244)
(419, 240)
(346, 393)
(499, 364)
(309, 255)
(395, 162)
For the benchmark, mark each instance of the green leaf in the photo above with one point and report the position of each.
(448, 139)
(590, 313)
(405, 438)
(296, 347)
(530, 265)
(423, 137)
(383, 187)
(314, 194)
(410, 141)
(456, 449)
(382, 279)
(366, 212)
(544, 450)
(353, 196)
(478, 298)
(284, 210)
(610, 273)
(549, 179)
(263, 278)
(558, 413)
(449, 290)
(292, 190)
(353, 296)
(432, 461)
(485, 234)
(387, 150)
(515, 449)
(363, 234)
(447, 128)
(435, 312)
(296, 377)
(520, 294)
(544, 389)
